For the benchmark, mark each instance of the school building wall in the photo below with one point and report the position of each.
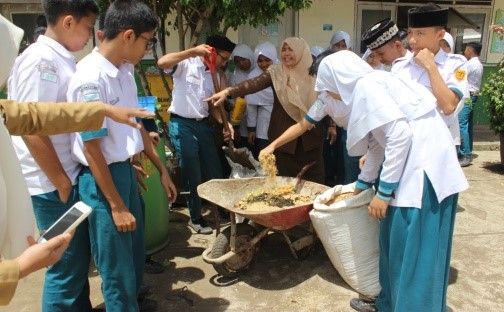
(323, 18)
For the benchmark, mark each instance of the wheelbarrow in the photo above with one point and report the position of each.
(234, 248)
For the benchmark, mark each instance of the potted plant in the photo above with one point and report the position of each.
(493, 91)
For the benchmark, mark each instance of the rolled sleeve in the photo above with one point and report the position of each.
(9, 277)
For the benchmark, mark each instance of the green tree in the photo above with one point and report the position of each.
(195, 19)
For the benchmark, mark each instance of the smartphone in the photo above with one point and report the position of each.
(67, 222)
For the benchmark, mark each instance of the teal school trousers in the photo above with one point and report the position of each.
(119, 256)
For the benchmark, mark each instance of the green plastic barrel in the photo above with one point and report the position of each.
(157, 209)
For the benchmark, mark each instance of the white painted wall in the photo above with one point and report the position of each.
(339, 13)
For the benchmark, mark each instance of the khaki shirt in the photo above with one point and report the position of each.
(48, 118)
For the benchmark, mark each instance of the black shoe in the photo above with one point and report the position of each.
(363, 305)
(147, 305)
(465, 161)
(200, 227)
(144, 292)
(153, 267)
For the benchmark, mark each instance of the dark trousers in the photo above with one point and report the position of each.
(199, 161)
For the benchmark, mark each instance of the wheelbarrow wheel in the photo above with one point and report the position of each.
(242, 260)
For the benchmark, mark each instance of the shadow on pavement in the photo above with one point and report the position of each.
(494, 167)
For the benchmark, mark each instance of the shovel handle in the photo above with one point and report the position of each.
(301, 173)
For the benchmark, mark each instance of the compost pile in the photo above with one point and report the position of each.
(340, 197)
(273, 199)
(268, 163)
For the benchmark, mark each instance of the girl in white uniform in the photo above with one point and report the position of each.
(260, 104)
(394, 120)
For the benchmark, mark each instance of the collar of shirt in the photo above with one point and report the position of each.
(109, 68)
(474, 59)
(56, 46)
(198, 62)
(439, 58)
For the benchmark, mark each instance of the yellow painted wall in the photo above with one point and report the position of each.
(494, 57)
(339, 13)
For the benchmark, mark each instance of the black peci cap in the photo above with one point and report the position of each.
(429, 15)
(379, 34)
(221, 43)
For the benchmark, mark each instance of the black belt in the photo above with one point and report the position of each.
(172, 115)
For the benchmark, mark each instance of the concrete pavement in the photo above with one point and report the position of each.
(277, 282)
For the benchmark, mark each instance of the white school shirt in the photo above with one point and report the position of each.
(259, 108)
(96, 79)
(192, 83)
(453, 69)
(406, 164)
(325, 105)
(41, 74)
(474, 74)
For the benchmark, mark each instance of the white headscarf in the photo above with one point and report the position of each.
(266, 96)
(369, 94)
(267, 49)
(341, 35)
(16, 214)
(449, 39)
(238, 75)
(365, 57)
(316, 50)
(243, 50)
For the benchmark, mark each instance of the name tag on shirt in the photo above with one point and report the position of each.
(89, 92)
(48, 76)
(48, 71)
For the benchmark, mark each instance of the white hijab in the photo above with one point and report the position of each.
(16, 214)
(341, 35)
(375, 98)
(264, 97)
(316, 50)
(449, 39)
(267, 49)
(242, 50)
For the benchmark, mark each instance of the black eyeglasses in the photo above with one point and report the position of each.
(150, 42)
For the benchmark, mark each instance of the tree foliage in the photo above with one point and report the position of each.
(493, 92)
(196, 18)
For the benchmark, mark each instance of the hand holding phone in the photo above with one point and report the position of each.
(67, 222)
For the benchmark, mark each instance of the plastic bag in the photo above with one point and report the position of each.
(238, 171)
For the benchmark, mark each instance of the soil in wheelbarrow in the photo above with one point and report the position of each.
(273, 199)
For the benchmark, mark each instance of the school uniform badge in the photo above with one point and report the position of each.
(48, 71)
(460, 74)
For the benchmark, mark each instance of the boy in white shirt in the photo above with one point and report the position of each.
(107, 182)
(474, 74)
(42, 73)
(444, 74)
(190, 131)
